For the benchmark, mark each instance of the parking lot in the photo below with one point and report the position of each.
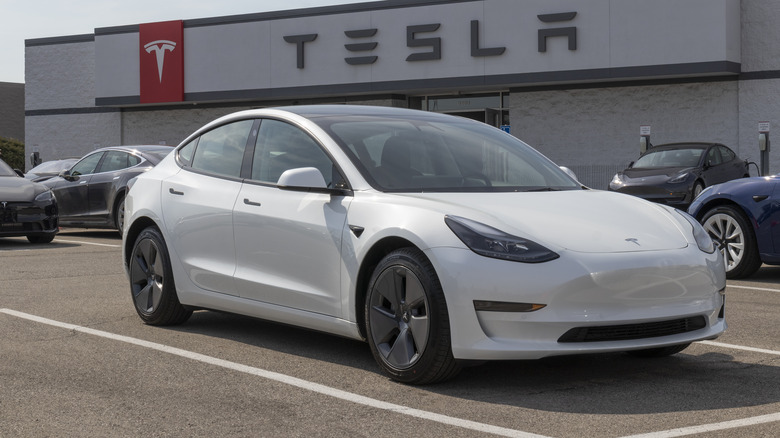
(77, 361)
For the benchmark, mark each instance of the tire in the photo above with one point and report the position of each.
(151, 281)
(730, 228)
(119, 214)
(407, 322)
(697, 189)
(41, 238)
(659, 352)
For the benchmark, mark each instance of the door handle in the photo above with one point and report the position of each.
(175, 192)
(248, 202)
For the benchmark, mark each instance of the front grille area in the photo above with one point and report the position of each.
(634, 331)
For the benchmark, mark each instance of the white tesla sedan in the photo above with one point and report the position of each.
(439, 240)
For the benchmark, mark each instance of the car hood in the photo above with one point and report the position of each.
(590, 221)
(667, 172)
(15, 189)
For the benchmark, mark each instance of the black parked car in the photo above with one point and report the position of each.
(676, 173)
(91, 193)
(26, 208)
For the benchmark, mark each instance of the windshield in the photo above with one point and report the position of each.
(6, 170)
(53, 166)
(669, 158)
(399, 154)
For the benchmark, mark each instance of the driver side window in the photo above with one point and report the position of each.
(87, 165)
(281, 146)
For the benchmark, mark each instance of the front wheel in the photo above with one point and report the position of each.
(731, 229)
(407, 322)
(41, 238)
(151, 281)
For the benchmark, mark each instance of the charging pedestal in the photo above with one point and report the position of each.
(644, 139)
(763, 147)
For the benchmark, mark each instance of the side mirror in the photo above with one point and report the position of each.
(65, 174)
(307, 179)
(570, 173)
(631, 164)
(19, 172)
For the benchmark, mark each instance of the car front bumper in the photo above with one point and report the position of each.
(642, 292)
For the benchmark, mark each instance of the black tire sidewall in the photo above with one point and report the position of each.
(436, 362)
(169, 311)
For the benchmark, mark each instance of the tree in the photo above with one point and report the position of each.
(12, 152)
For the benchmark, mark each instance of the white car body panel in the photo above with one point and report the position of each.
(290, 256)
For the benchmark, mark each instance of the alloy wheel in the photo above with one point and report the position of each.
(399, 317)
(729, 234)
(147, 276)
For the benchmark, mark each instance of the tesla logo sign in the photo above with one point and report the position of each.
(162, 62)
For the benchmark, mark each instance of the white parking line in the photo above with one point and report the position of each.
(399, 409)
(740, 347)
(293, 381)
(752, 421)
(89, 243)
(765, 289)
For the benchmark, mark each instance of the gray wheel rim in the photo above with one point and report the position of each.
(399, 317)
(727, 232)
(146, 276)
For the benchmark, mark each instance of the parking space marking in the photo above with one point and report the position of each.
(89, 243)
(289, 380)
(740, 347)
(733, 424)
(765, 289)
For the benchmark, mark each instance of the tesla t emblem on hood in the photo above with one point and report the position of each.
(633, 240)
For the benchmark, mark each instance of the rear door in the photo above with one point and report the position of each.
(198, 205)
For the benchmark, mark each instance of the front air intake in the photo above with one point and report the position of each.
(634, 331)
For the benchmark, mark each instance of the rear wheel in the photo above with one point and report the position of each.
(151, 281)
(407, 320)
(119, 214)
(730, 228)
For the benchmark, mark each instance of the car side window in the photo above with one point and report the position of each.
(221, 150)
(726, 154)
(118, 160)
(87, 165)
(713, 157)
(281, 146)
(186, 151)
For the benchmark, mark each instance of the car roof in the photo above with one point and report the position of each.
(683, 145)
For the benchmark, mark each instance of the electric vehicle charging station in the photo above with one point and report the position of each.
(644, 139)
(763, 146)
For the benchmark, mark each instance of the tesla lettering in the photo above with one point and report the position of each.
(434, 43)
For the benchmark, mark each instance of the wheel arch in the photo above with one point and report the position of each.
(378, 251)
(135, 229)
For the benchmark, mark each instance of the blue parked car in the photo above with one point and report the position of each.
(743, 216)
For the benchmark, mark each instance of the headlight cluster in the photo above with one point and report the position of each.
(680, 178)
(491, 242)
(616, 182)
(703, 239)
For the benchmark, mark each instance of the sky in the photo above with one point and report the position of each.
(21, 20)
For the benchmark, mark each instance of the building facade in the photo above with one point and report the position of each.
(576, 79)
(12, 110)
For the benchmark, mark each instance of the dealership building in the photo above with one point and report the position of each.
(579, 80)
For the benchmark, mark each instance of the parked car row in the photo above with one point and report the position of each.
(439, 241)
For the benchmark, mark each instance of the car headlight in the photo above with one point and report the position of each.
(44, 197)
(703, 239)
(680, 178)
(491, 242)
(617, 181)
